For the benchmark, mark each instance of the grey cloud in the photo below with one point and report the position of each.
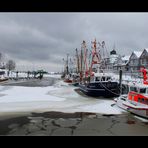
(46, 38)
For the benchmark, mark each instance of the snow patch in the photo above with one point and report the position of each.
(28, 94)
(104, 108)
(60, 97)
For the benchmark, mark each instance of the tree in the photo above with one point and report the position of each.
(1, 56)
(10, 65)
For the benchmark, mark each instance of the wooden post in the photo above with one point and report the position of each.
(120, 81)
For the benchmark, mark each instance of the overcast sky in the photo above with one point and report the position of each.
(42, 40)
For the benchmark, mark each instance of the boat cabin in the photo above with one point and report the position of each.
(101, 78)
(137, 93)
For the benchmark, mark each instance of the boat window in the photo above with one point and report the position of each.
(142, 90)
(97, 78)
(143, 101)
(139, 100)
(134, 89)
(123, 99)
(108, 78)
(103, 79)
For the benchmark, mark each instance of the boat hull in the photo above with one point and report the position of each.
(119, 102)
(68, 81)
(3, 80)
(101, 89)
(76, 84)
(142, 112)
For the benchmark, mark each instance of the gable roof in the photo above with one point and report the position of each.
(138, 53)
(146, 49)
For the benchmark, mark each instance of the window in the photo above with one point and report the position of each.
(103, 79)
(143, 90)
(139, 100)
(142, 101)
(97, 78)
(92, 79)
(123, 99)
(142, 61)
(108, 78)
(134, 89)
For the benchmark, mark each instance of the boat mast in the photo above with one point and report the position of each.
(95, 56)
(78, 63)
(85, 58)
(81, 71)
(84, 66)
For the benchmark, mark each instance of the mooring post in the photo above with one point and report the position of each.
(28, 74)
(120, 80)
(17, 75)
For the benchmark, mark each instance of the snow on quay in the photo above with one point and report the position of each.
(59, 97)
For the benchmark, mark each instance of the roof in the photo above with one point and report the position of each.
(102, 74)
(137, 53)
(146, 49)
(125, 58)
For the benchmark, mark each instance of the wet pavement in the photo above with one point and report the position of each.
(31, 82)
(73, 124)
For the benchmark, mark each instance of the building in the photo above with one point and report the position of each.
(131, 63)
(122, 63)
(112, 60)
(144, 58)
(134, 61)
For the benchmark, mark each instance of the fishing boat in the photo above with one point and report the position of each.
(68, 78)
(95, 82)
(101, 85)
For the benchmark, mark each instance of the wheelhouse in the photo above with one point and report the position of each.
(138, 94)
(101, 78)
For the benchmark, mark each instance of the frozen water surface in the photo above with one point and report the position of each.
(59, 97)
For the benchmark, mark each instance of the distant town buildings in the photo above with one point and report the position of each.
(128, 63)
